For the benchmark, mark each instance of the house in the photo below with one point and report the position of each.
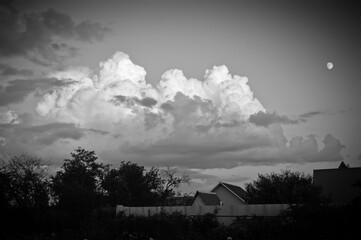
(230, 194)
(338, 183)
(179, 201)
(222, 194)
(206, 199)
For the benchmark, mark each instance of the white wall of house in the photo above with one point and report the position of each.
(226, 196)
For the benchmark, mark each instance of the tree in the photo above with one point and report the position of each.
(76, 187)
(286, 187)
(24, 182)
(132, 185)
(171, 181)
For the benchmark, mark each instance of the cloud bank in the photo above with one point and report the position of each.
(211, 123)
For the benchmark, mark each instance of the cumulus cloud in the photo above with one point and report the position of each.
(332, 149)
(2, 141)
(42, 36)
(211, 123)
(9, 117)
(231, 95)
(119, 100)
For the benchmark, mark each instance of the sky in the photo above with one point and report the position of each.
(221, 90)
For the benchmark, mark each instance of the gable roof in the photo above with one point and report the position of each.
(208, 198)
(342, 165)
(235, 190)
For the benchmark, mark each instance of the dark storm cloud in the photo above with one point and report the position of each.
(179, 152)
(266, 119)
(205, 128)
(17, 90)
(62, 25)
(6, 70)
(122, 100)
(31, 34)
(311, 114)
(207, 152)
(96, 131)
(147, 102)
(42, 134)
(131, 101)
(48, 134)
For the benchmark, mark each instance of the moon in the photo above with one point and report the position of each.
(329, 65)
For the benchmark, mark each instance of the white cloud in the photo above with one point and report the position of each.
(2, 141)
(9, 117)
(231, 95)
(181, 122)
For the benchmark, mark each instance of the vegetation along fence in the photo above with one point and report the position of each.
(224, 214)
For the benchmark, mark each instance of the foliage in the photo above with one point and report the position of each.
(286, 187)
(300, 222)
(77, 186)
(170, 182)
(323, 221)
(83, 181)
(24, 182)
(131, 185)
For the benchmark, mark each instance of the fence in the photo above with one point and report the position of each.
(224, 214)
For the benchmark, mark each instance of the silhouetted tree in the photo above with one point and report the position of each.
(171, 181)
(132, 185)
(4, 189)
(76, 187)
(24, 182)
(115, 187)
(286, 187)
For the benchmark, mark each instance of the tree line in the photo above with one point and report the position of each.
(78, 202)
(82, 183)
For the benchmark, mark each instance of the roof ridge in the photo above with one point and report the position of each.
(208, 198)
(206, 192)
(230, 184)
(225, 185)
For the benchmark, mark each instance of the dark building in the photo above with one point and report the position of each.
(338, 183)
(206, 199)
